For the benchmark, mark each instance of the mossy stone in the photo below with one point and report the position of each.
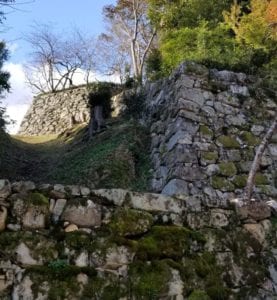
(227, 169)
(205, 130)
(167, 242)
(228, 142)
(130, 222)
(149, 281)
(240, 181)
(261, 179)
(37, 199)
(210, 156)
(250, 139)
(222, 184)
(199, 295)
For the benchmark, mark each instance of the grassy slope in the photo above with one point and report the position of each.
(117, 157)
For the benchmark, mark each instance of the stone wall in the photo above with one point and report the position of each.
(53, 113)
(70, 242)
(205, 128)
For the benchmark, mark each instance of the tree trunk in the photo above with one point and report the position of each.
(257, 160)
(96, 120)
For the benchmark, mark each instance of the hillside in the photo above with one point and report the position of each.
(116, 157)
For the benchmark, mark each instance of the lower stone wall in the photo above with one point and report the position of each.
(70, 242)
(206, 126)
(53, 113)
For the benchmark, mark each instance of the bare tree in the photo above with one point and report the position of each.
(56, 60)
(257, 160)
(112, 57)
(129, 24)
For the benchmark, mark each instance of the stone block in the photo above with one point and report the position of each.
(175, 187)
(5, 188)
(84, 213)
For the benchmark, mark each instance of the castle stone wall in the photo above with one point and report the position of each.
(53, 113)
(205, 128)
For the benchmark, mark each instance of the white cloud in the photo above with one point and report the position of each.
(12, 47)
(20, 96)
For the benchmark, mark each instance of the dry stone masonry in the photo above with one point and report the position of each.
(70, 242)
(53, 113)
(205, 128)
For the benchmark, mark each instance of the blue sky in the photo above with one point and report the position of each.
(64, 15)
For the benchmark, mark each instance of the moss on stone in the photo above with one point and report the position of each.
(228, 142)
(37, 199)
(199, 295)
(227, 169)
(222, 184)
(250, 139)
(167, 242)
(240, 181)
(149, 281)
(78, 241)
(205, 130)
(210, 156)
(261, 179)
(61, 278)
(130, 222)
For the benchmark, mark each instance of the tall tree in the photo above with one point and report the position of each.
(128, 22)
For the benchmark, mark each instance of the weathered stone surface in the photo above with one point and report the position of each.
(175, 187)
(5, 188)
(24, 256)
(176, 285)
(219, 218)
(206, 124)
(85, 191)
(86, 215)
(71, 228)
(254, 210)
(82, 260)
(35, 217)
(23, 186)
(3, 217)
(257, 231)
(118, 257)
(58, 209)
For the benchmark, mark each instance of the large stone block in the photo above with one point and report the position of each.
(83, 213)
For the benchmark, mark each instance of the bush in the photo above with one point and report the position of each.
(215, 48)
(100, 93)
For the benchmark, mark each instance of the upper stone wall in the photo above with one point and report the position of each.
(53, 113)
(205, 128)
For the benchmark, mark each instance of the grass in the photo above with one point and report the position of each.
(114, 158)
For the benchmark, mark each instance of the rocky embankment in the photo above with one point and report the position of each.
(205, 127)
(70, 242)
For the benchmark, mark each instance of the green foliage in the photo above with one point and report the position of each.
(100, 93)
(221, 34)
(148, 281)
(214, 47)
(154, 67)
(116, 158)
(135, 103)
(178, 13)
